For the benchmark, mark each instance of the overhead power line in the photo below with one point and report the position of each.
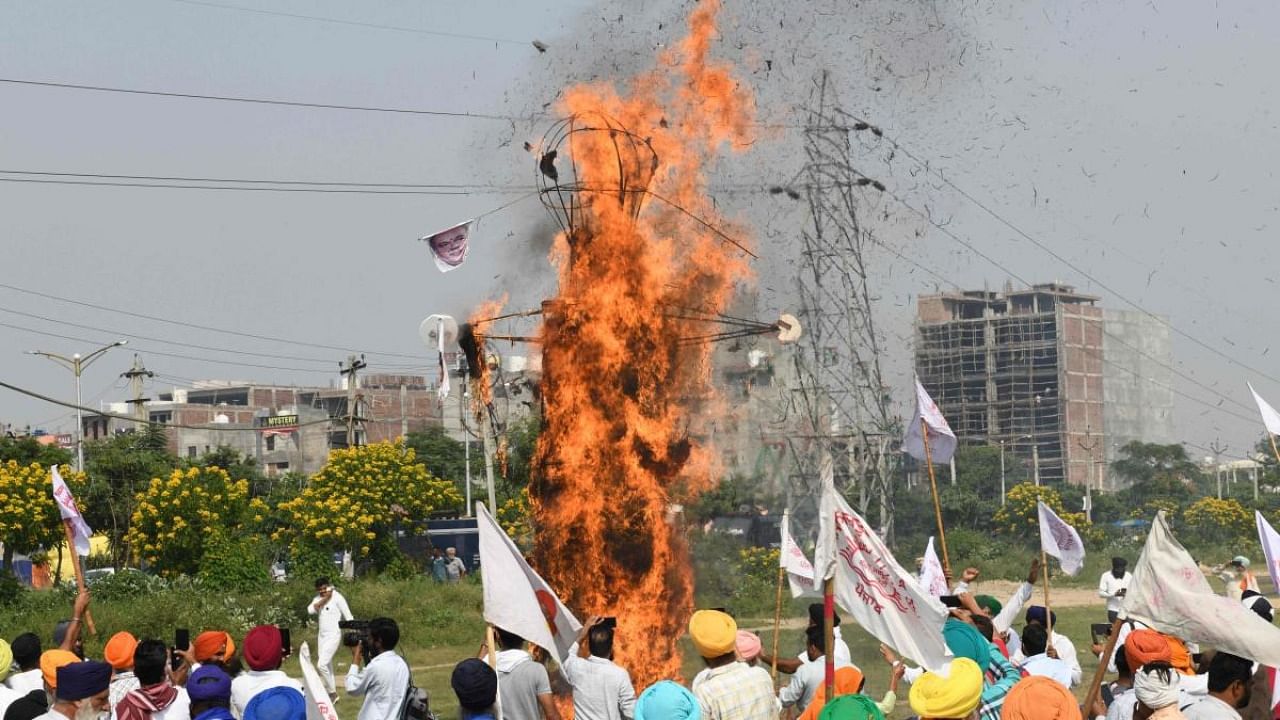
(268, 101)
(356, 23)
(260, 181)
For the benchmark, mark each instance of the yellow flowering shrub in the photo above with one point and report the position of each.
(759, 562)
(29, 518)
(1020, 516)
(515, 517)
(1224, 519)
(359, 493)
(175, 517)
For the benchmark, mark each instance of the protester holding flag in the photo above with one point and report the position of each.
(809, 676)
(1060, 645)
(793, 665)
(524, 685)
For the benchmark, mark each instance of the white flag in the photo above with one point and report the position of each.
(1270, 417)
(1170, 594)
(942, 442)
(932, 577)
(516, 599)
(1060, 540)
(876, 591)
(1270, 548)
(67, 506)
(449, 246)
(317, 695)
(792, 559)
(443, 392)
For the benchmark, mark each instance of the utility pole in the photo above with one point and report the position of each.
(353, 417)
(1002, 491)
(1217, 449)
(76, 364)
(138, 404)
(1088, 480)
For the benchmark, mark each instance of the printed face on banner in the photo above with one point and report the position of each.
(876, 584)
(450, 246)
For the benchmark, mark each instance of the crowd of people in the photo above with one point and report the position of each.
(211, 679)
(995, 672)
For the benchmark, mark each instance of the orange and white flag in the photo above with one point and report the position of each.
(67, 507)
(792, 559)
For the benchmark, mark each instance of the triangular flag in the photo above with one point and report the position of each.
(449, 247)
(1270, 417)
(870, 585)
(1060, 540)
(516, 599)
(1270, 540)
(1170, 594)
(67, 507)
(791, 559)
(932, 577)
(942, 442)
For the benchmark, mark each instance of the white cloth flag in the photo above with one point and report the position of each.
(443, 392)
(1270, 417)
(516, 599)
(875, 590)
(932, 577)
(1170, 594)
(1060, 540)
(1271, 551)
(792, 560)
(942, 442)
(67, 507)
(449, 246)
(317, 695)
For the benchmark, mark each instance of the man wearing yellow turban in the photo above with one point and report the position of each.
(729, 689)
(953, 696)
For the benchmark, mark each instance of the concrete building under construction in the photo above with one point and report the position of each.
(1047, 374)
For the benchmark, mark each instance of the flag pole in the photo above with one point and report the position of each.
(75, 567)
(829, 634)
(1095, 686)
(937, 508)
(491, 639)
(1048, 611)
(777, 622)
(1272, 437)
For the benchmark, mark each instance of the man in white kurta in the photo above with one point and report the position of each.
(330, 607)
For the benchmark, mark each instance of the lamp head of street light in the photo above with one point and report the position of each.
(76, 356)
(121, 342)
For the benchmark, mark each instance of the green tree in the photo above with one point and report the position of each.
(237, 464)
(119, 468)
(27, 450)
(445, 457)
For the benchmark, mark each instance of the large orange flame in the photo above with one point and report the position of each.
(619, 386)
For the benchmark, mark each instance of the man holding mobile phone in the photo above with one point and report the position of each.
(1114, 586)
(602, 690)
(329, 607)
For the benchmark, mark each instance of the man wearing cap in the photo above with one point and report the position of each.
(156, 698)
(119, 654)
(7, 694)
(209, 689)
(804, 683)
(732, 690)
(36, 703)
(330, 608)
(1113, 586)
(385, 682)
(263, 653)
(602, 690)
(476, 685)
(1238, 577)
(950, 695)
(81, 691)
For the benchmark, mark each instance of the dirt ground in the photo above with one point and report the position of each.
(1058, 597)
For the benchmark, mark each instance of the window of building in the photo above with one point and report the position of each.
(191, 451)
(162, 417)
(271, 442)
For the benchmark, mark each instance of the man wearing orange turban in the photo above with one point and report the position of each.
(119, 653)
(1144, 646)
(1040, 698)
(849, 681)
(214, 646)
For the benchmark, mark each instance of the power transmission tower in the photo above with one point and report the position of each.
(353, 418)
(843, 396)
(138, 403)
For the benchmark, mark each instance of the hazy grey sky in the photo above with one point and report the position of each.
(1135, 138)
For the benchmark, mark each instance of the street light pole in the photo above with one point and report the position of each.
(1002, 492)
(76, 364)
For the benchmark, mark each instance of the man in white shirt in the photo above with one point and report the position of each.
(384, 681)
(601, 689)
(263, 653)
(790, 666)
(26, 656)
(1062, 646)
(1230, 678)
(1040, 661)
(808, 677)
(1113, 586)
(330, 608)
(7, 695)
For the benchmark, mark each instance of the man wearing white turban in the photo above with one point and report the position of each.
(1156, 687)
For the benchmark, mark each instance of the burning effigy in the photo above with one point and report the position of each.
(641, 250)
